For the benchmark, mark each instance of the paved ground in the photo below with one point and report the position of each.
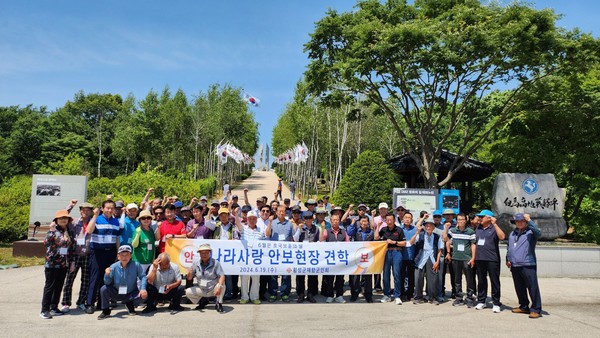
(261, 183)
(571, 308)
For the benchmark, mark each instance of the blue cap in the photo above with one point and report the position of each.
(178, 204)
(437, 212)
(246, 208)
(485, 212)
(307, 214)
(518, 217)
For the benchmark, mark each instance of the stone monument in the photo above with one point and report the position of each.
(534, 194)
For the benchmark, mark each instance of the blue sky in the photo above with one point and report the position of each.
(49, 50)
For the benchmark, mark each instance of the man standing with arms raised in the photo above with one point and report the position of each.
(487, 259)
(104, 230)
(521, 260)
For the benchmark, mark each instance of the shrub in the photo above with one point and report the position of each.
(367, 180)
(15, 198)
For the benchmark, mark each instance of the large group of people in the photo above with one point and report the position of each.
(120, 250)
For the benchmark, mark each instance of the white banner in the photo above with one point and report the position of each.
(283, 258)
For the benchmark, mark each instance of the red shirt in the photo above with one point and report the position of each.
(166, 228)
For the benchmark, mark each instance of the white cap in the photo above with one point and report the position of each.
(132, 206)
(383, 205)
(252, 213)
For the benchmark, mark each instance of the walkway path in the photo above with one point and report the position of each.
(261, 183)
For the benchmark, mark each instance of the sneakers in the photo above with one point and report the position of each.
(418, 301)
(243, 301)
(89, 309)
(256, 302)
(311, 298)
(285, 298)
(329, 300)
(534, 315)
(496, 309)
(82, 307)
(480, 306)
(105, 314)
(55, 313)
(517, 310)
(149, 309)
(272, 298)
(386, 299)
(398, 301)
(176, 309)
(65, 309)
(130, 308)
(45, 315)
(202, 303)
(457, 302)
(340, 299)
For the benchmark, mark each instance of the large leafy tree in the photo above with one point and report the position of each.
(428, 65)
(98, 111)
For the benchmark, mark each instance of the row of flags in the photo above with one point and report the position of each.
(227, 150)
(297, 154)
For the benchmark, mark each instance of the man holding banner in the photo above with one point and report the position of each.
(307, 233)
(394, 236)
(280, 229)
(250, 233)
(335, 234)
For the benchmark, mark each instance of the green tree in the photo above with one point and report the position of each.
(426, 66)
(98, 111)
(368, 180)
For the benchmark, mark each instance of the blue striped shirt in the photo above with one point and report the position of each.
(105, 234)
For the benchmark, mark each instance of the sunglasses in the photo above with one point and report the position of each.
(145, 218)
(263, 211)
(159, 213)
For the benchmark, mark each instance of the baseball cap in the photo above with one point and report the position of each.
(119, 204)
(124, 248)
(178, 204)
(234, 196)
(203, 198)
(437, 212)
(383, 205)
(485, 212)
(131, 206)
(307, 214)
(86, 205)
(246, 208)
(223, 211)
(518, 217)
(252, 213)
(362, 206)
(321, 211)
(185, 209)
(214, 202)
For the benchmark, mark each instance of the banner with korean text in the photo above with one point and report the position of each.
(283, 258)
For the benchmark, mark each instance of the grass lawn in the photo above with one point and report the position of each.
(6, 257)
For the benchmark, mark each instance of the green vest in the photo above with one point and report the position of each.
(141, 254)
